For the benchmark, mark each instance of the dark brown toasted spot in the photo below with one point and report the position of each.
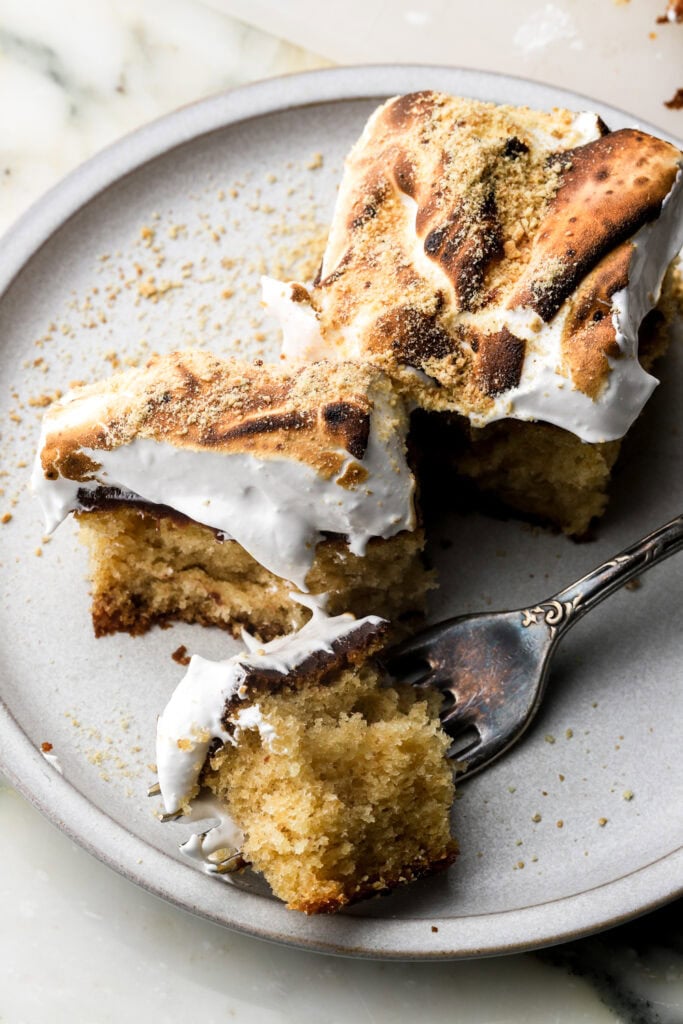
(267, 424)
(588, 336)
(368, 213)
(406, 109)
(434, 240)
(610, 215)
(412, 335)
(514, 148)
(350, 425)
(499, 362)
(404, 172)
(591, 301)
(338, 271)
(190, 383)
(466, 245)
(373, 193)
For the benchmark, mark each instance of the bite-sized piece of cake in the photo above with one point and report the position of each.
(498, 262)
(333, 785)
(208, 490)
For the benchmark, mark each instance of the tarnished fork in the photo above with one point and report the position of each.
(493, 667)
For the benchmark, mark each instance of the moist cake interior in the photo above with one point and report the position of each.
(352, 797)
(148, 568)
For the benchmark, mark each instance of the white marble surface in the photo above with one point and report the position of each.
(77, 74)
(78, 943)
(614, 50)
(88, 946)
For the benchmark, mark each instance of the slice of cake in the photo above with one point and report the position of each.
(499, 263)
(333, 785)
(208, 490)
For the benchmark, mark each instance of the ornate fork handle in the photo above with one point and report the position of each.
(564, 609)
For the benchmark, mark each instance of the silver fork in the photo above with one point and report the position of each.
(493, 667)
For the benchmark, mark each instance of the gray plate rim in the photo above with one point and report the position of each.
(488, 934)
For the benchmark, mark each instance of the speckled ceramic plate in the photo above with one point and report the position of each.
(158, 242)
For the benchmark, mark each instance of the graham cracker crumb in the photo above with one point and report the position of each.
(180, 655)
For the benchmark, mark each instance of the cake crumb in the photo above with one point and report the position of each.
(536, 817)
(627, 794)
(602, 822)
(569, 733)
(180, 655)
(46, 747)
(315, 163)
(434, 928)
(549, 738)
(6, 518)
(559, 823)
(676, 101)
(634, 584)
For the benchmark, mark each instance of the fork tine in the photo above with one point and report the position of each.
(416, 647)
(172, 816)
(229, 865)
(409, 666)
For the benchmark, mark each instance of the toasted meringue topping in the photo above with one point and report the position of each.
(509, 254)
(206, 703)
(268, 459)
